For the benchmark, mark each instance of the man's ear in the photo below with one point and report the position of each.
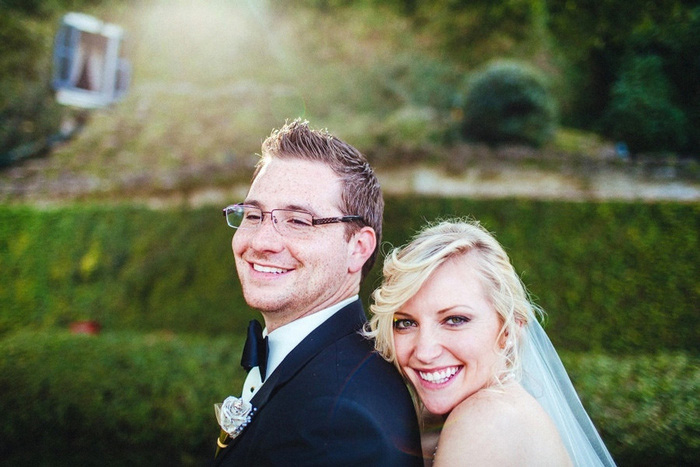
(360, 248)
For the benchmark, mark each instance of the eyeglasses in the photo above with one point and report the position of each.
(286, 221)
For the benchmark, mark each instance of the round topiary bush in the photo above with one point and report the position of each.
(509, 102)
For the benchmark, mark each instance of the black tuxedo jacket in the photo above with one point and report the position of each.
(331, 402)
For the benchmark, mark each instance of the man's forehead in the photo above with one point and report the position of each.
(296, 184)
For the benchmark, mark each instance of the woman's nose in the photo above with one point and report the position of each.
(428, 346)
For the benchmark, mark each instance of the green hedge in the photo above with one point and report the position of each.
(614, 277)
(147, 399)
(116, 399)
(645, 407)
(126, 267)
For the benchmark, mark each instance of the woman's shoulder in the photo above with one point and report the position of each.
(504, 426)
(491, 411)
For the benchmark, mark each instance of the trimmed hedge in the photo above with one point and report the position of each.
(615, 277)
(147, 399)
(125, 267)
(612, 277)
(645, 407)
(115, 399)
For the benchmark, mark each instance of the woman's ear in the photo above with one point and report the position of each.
(505, 340)
(361, 246)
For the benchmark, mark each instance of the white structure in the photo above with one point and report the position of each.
(89, 70)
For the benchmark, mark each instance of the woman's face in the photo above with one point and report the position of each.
(446, 336)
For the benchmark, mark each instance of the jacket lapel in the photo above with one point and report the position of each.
(347, 320)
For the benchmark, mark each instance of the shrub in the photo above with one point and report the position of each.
(641, 112)
(113, 399)
(613, 277)
(596, 268)
(409, 128)
(645, 407)
(129, 399)
(125, 267)
(509, 102)
(28, 111)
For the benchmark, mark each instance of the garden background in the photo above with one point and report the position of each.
(121, 224)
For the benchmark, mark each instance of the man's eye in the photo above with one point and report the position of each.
(252, 216)
(403, 323)
(456, 320)
(302, 222)
(298, 221)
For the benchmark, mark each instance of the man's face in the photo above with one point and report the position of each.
(286, 277)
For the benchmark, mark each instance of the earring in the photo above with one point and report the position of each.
(508, 344)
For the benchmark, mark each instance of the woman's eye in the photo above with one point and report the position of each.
(456, 320)
(403, 323)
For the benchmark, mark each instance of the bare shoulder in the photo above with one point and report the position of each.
(500, 427)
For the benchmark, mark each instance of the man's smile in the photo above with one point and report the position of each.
(269, 269)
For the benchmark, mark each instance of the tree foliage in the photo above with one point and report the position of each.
(598, 39)
(28, 111)
(641, 112)
(584, 45)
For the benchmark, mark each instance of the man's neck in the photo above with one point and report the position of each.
(279, 318)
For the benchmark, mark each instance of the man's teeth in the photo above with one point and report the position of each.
(260, 268)
(439, 377)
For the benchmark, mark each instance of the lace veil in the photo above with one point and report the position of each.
(544, 377)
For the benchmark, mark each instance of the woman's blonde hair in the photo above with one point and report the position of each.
(407, 268)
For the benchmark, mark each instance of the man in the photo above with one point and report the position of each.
(306, 235)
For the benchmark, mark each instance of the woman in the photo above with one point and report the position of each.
(456, 320)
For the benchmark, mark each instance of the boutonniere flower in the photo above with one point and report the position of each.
(233, 415)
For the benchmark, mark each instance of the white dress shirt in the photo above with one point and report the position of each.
(282, 340)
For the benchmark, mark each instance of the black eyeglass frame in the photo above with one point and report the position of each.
(314, 221)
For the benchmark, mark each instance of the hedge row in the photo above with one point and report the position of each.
(147, 399)
(116, 399)
(615, 277)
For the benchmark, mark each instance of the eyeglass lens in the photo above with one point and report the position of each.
(285, 221)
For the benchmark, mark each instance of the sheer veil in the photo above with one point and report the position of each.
(544, 377)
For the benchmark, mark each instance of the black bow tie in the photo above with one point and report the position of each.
(255, 349)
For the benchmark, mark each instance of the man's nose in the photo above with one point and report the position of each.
(266, 236)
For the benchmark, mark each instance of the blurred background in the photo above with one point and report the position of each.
(568, 128)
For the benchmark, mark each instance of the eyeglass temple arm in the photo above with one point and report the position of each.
(333, 220)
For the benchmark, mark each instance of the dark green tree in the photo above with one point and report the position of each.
(641, 112)
(595, 38)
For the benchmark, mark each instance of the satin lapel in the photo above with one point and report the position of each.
(346, 321)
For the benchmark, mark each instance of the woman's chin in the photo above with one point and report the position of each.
(438, 407)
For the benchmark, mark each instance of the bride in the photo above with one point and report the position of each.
(454, 317)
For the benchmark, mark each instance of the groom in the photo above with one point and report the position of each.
(306, 235)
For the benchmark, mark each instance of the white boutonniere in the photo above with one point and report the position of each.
(233, 415)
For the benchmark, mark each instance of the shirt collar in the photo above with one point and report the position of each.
(282, 340)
